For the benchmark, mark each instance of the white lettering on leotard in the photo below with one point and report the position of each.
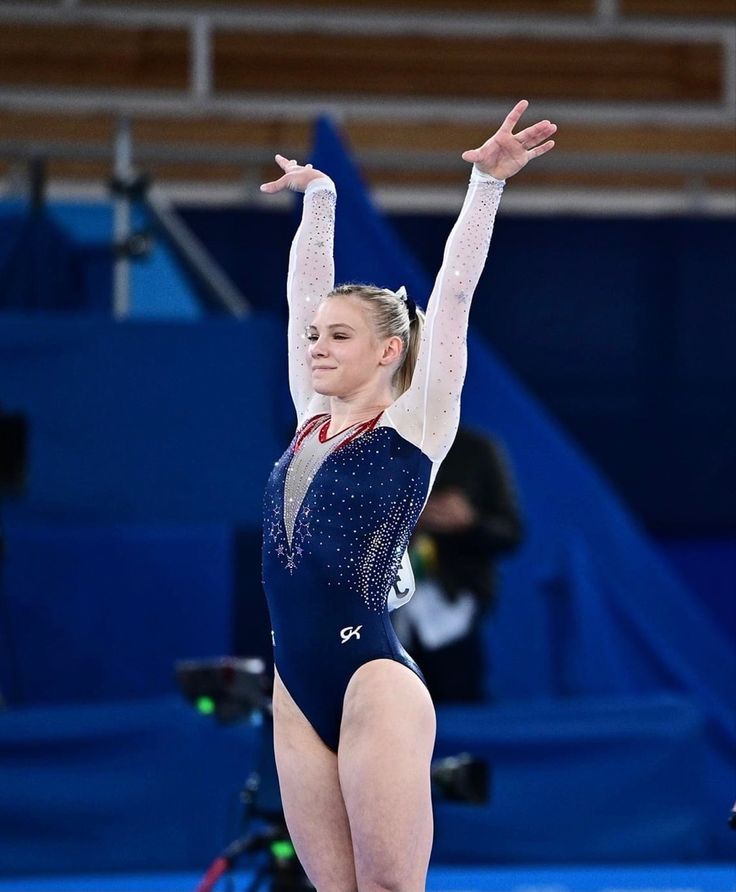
(350, 632)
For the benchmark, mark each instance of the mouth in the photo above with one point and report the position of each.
(323, 368)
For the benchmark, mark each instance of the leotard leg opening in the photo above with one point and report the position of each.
(317, 681)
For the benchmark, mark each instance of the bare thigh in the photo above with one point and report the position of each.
(311, 797)
(386, 743)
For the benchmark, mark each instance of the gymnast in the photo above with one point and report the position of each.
(376, 385)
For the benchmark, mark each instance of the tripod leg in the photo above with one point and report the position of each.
(261, 874)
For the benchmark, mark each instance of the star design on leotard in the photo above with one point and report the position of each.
(292, 552)
(461, 297)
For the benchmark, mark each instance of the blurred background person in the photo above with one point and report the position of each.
(470, 520)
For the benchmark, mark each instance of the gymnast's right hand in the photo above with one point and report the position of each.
(296, 177)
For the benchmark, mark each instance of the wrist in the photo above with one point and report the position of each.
(480, 176)
(320, 181)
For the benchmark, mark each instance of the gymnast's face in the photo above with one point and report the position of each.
(345, 353)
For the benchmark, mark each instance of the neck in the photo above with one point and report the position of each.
(345, 412)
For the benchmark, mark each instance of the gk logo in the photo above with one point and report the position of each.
(350, 632)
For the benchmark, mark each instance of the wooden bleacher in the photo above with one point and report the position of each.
(644, 100)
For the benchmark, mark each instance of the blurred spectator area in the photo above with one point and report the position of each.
(644, 92)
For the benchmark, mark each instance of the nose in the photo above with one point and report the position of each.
(317, 348)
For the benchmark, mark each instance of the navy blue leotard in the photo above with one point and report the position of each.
(339, 510)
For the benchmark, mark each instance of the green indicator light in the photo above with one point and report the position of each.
(282, 849)
(206, 705)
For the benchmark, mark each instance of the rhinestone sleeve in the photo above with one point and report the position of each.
(311, 277)
(428, 413)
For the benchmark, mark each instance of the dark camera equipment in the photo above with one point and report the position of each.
(462, 778)
(13, 474)
(137, 244)
(13, 453)
(231, 688)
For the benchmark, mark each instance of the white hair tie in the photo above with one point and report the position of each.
(411, 307)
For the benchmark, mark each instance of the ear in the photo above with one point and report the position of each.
(392, 351)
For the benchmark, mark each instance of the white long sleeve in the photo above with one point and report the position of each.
(311, 277)
(428, 413)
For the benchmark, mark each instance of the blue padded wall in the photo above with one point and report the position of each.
(100, 613)
(146, 421)
(147, 786)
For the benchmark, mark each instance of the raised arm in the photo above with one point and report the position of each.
(311, 271)
(428, 413)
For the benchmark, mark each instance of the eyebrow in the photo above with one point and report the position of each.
(334, 325)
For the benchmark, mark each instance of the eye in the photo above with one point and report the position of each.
(311, 337)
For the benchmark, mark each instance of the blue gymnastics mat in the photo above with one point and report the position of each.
(654, 878)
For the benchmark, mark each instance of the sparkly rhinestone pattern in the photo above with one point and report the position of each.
(305, 463)
(355, 502)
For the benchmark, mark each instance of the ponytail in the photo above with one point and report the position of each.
(405, 372)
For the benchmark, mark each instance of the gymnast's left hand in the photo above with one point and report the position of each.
(506, 152)
(296, 176)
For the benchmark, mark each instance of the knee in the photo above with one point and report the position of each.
(386, 883)
(331, 880)
(339, 887)
(385, 886)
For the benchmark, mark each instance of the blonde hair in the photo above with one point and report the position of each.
(390, 314)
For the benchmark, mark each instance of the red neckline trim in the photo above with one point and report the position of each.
(362, 428)
(307, 430)
(324, 421)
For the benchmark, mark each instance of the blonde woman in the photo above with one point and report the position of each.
(376, 386)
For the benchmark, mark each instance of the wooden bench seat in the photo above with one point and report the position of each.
(374, 135)
(441, 67)
(471, 68)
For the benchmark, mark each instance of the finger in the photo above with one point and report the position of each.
(471, 155)
(539, 131)
(275, 185)
(512, 118)
(541, 150)
(285, 163)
